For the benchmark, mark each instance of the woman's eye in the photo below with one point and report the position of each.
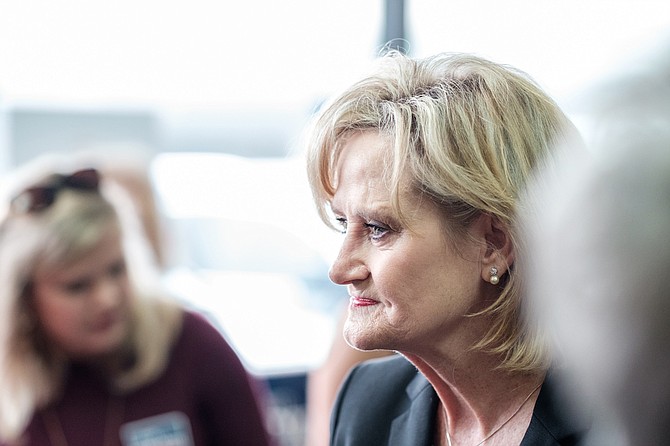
(117, 269)
(342, 224)
(376, 231)
(77, 286)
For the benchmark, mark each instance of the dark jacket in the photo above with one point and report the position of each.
(388, 402)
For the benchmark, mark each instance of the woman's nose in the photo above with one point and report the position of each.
(107, 293)
(349, 265)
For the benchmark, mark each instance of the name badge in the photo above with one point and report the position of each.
(168, 429)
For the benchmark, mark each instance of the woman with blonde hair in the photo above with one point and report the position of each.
(92, 351)
(421, 166)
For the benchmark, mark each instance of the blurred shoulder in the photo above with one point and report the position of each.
(197, 327)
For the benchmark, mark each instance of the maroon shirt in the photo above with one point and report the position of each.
(205, 393)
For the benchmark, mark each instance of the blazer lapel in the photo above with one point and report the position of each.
(553, 423)
(415, 426)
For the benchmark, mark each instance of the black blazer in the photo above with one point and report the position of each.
(388, 402)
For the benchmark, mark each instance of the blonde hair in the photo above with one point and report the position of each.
(469, 133)
(30, 373)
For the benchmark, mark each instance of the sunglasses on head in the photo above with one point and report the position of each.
(41, 197)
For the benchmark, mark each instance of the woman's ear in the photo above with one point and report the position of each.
(499, 251)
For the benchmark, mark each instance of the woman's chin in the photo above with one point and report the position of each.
(101, 344)
(361, 340)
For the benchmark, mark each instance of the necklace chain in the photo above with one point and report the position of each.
(496, 430)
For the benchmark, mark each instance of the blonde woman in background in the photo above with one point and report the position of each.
(92, 351)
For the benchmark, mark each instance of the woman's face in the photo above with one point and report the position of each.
(83, 307)
(408, 289)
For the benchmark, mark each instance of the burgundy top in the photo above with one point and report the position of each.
(203, 398)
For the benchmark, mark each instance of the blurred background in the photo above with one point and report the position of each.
(212, 96)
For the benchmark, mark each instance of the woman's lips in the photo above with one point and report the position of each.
(106, 321)
(362, 301)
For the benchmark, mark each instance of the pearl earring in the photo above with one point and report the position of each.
(494, 276)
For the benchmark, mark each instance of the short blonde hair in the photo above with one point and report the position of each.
(30, 374)
(469, 133)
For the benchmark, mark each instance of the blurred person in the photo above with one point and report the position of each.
(131, 173)
(92, 351)
(128, 166)
(600, 252)
(421, 166)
